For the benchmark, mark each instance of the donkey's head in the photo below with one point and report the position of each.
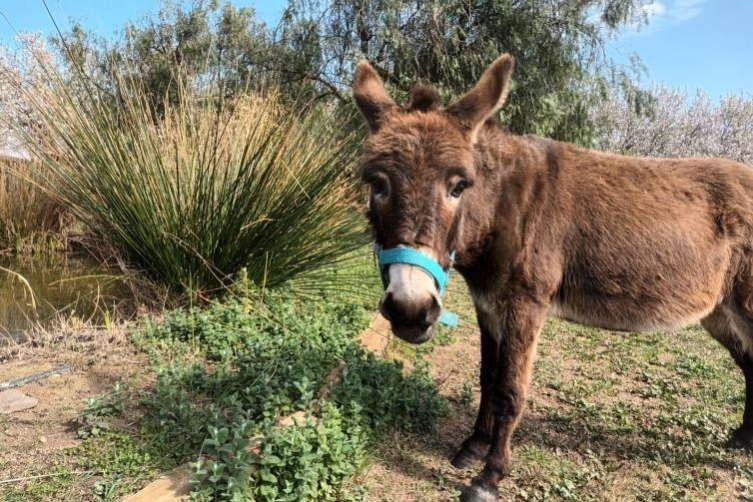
(419, 162)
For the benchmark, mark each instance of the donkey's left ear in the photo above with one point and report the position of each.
(370, 95)
(486, 97)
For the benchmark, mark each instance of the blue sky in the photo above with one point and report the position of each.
(688, 44)
(695, 43)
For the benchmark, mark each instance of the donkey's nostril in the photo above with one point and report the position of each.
(387, 307)
(432, 313)
(421, 314)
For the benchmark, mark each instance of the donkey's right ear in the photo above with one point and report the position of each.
(370, 95)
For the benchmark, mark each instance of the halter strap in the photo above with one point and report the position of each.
(412, 256)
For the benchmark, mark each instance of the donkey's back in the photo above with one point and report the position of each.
(651, 243)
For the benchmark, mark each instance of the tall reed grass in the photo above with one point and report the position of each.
(202, 192)
(30, 219)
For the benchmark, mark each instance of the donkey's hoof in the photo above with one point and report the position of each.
(742, 438)
(478, 492)
(465, 459)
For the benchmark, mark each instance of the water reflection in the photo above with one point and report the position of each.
(61, 285)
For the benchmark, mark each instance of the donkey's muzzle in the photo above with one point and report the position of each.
(411, 321)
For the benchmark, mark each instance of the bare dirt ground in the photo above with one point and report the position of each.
(34, 441)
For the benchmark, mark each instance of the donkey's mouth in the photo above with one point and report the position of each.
(413, 334)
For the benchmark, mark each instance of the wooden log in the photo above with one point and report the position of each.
(170, 487)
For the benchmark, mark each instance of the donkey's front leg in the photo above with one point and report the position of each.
(519, 324)
(476, 446)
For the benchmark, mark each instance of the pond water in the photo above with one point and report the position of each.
(61, 285)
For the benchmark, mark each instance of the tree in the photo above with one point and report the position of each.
(23, 70)
(310, 55)
(174, 48)
(673, 123)
(558, 45)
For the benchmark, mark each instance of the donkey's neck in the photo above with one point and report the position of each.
(513, 175)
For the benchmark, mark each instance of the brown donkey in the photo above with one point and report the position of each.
(546, 228)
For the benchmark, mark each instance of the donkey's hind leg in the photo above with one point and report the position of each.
(735, 332)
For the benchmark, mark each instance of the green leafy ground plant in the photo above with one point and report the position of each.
(229, 373)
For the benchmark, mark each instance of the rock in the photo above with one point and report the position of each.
(12, 400)
(377, 336)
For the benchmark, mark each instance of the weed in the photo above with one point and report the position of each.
(92, 420)
(466, 394)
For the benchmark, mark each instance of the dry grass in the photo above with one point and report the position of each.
(30, 219)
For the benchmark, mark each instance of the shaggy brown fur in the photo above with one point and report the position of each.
(547, 228)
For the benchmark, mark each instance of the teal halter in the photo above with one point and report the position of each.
(412, 256)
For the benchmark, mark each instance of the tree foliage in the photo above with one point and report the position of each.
(177, 48)
(310, 55)
(558, 45)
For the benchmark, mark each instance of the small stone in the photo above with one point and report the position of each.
(42, 439)
(12, 400)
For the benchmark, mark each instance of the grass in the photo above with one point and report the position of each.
(610, 417)
(652, 410)
(237, 389)
(31, 220)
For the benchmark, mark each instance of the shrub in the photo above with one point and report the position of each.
(205, 189)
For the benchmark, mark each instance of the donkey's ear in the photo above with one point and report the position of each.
(486, 97)
(371, 97)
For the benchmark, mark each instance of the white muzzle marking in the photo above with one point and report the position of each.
(410, 284)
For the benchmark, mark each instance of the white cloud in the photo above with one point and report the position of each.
(654, 9)
(682, 10)
(661, 14)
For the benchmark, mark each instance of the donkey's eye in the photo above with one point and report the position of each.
(457, 189)
(379, 186)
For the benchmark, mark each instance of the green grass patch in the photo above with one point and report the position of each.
(630, 416)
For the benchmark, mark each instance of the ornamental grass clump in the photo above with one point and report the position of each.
(205, 188)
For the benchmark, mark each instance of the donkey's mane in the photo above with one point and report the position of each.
(424, 98)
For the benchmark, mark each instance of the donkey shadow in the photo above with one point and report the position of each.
(676, 449)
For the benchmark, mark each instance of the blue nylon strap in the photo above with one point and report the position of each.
(411, 256)
(449, 319)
